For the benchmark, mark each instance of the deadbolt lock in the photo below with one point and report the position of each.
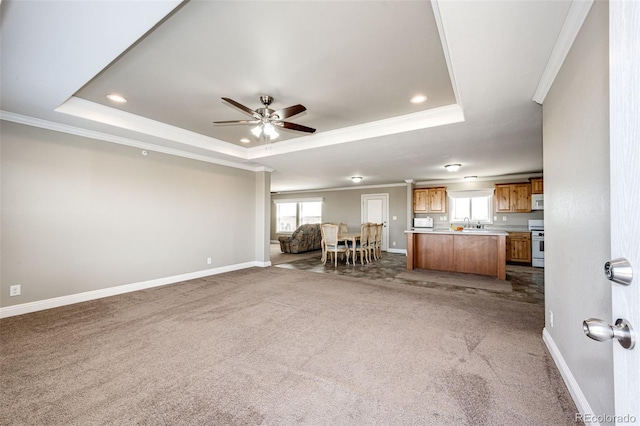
(619, 271)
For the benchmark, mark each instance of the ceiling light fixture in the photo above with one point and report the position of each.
(266, 129)
(356, 179)
(117, 98)
(470, 178)
(452, 167)
(245, 140)
(418, 99)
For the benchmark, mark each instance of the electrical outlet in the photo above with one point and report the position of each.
(14, 290)
(208, 261)
(393, 244)
(551, 318)
(504, 218)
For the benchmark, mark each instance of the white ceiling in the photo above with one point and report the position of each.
(354, 65)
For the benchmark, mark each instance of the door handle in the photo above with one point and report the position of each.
(602, 331)
(619, 271)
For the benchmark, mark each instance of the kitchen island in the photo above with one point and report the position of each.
(469, 251)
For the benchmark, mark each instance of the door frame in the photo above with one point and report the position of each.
(385, 215)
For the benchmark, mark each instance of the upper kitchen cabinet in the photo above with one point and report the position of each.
(430, 200)
(537, 185)
(513, 198)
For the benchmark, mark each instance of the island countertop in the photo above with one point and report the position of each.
(468, 231)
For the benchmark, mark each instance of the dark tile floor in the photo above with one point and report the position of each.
(527, 282)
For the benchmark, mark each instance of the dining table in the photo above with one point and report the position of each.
(352, 237)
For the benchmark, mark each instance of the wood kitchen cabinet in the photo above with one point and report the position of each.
(513, 198)
(430, 200)
(518, 246)
(537, 185)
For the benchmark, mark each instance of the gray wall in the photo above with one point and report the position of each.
(345, 206)
(577, 236)
(81, 215)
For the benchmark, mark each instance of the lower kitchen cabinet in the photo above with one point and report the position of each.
(519, 247)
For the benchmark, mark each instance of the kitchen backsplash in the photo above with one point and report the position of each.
(513, 220)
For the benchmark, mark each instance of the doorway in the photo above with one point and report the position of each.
(375, 209)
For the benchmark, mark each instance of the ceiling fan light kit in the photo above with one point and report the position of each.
(268, 119)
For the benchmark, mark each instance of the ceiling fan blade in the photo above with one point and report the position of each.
(294, 126)
(237, 122)
(242, 107)
(289, 111)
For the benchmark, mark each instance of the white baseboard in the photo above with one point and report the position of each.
(40, 305)
(399, 251)
(574, 389)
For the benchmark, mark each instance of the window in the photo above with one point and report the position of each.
(292, 213)
(475, 205)
(287, 216)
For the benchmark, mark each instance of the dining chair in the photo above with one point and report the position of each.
(322, 247)
(371, 241)
(343, 229)
(378, 243)
(322, 242)
(332, 244)
(361, 246)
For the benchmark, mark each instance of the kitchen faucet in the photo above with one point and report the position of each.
(468, 222)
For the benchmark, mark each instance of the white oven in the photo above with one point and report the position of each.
(537, 243)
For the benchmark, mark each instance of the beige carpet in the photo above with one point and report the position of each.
(457, 279)
(274, 346)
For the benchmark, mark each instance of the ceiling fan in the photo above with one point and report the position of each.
(267, 119)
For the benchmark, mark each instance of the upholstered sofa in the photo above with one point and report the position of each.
(305, 238)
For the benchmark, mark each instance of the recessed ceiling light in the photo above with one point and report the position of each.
(418, 99)
(116, 98)
(245, 140)
(452, 167)
(356, 179)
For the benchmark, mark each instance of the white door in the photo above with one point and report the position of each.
(624, 84)
(375, 208)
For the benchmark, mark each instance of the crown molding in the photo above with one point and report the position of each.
(63, 128)
(103, 114)
(435, 4)
(578, 12)
(503, 178)
(420, 120)
(82, 108)
(355, 188)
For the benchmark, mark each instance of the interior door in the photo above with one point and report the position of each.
(624, 86)
(375, 208)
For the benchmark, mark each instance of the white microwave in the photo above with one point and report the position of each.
(537, 202)
(423, 222)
